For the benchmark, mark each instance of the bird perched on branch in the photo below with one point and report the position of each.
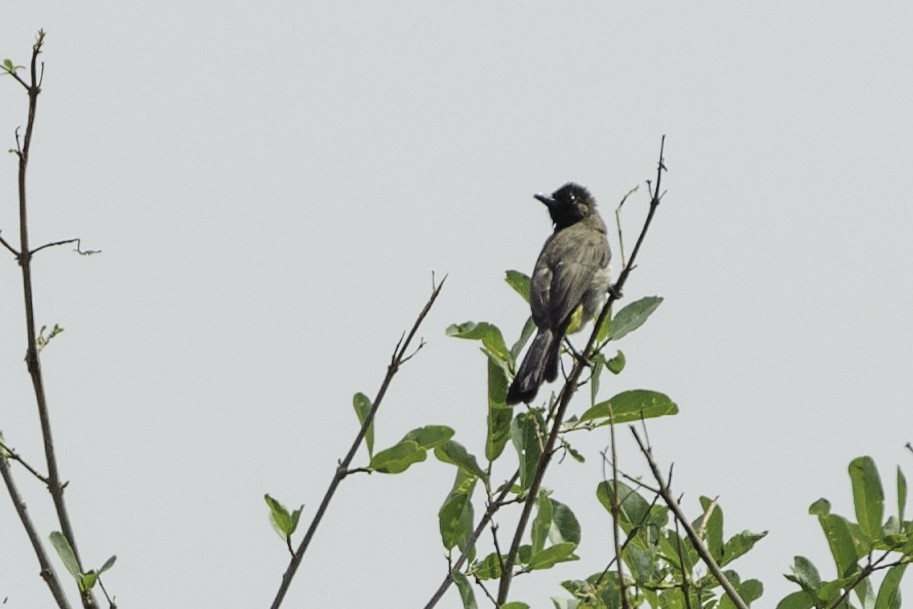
(568, 285)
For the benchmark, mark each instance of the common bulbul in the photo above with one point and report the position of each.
(568, 285)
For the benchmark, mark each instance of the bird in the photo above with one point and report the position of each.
(568, 285)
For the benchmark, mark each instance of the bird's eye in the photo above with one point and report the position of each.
(572, 197)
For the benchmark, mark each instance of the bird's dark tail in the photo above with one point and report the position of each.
(540, 363)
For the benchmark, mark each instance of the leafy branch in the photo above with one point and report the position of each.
(401, 354)
(35, 342)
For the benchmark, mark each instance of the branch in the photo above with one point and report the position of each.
(864, 573)
(12, 454)
(666, 493)
(9, 247)
(616, 510)
(342, 470)
(570, 387)
(33, 362)
(78, 249)
(47, 569)
(621, 241)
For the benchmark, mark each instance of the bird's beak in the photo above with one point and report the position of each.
(549, 202)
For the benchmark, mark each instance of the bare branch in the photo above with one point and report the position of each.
(12, 454)
(621, 241)
(78, 249)
(9, 247)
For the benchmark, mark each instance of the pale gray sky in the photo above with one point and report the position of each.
(272, 184)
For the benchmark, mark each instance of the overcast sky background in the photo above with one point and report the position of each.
(272, 185)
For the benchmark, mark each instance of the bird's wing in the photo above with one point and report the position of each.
(575, 255)
(541, 286)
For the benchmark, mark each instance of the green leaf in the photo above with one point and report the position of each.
(889, 592)
(543, 521)
(565, 526)
(840, 539)
(108, 564)
(526, 432)
(617, 363)
(633, 316)
(499, 413)
(640, 560)
(805, 574)
(598, 365)
(630, 406)
(822, 507)
(489, 334)
(465, 587)
(868, 496)
(519, 282)
(901, 493)
(488, 568)
(797, 600)
(430, 436)
(739, 544)
(749, 591)
(565, 603)
(8, 64)
(65, 552)
(560, 552)
(398, 458)
(455, 518)
(87, 581)
(296, 516)
(284, 522)
(605, 328)
(455, 453)
(671, 543)
(362, 404)
(514, 605)
(632, 508)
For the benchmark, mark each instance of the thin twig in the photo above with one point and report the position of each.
(686, 576)
(487, 593)
(16, 76)
(621, 241)
(9, 247)
(78, 249)
(568, 390)
(616, 511)
(669, 498)
(12, 454)
(397, 359)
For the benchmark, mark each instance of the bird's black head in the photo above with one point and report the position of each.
(569, 204)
